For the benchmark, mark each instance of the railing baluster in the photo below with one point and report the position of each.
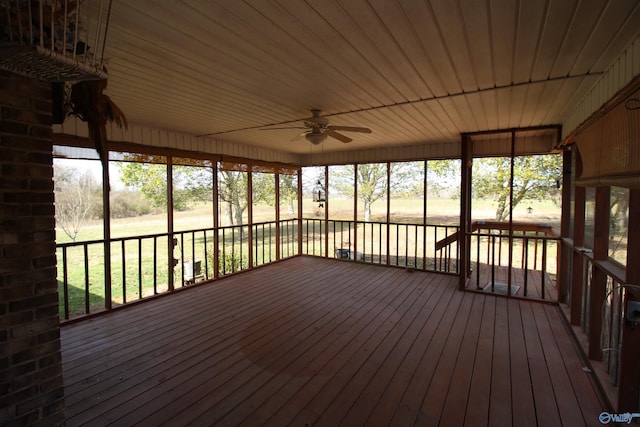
(65, 282)
(124, 274)
(155, 265)
(543, 271)
(193, 256)
(206, 255)
(140, 268)
(535, 253)
(493, 262)
(415, 246)
(181, 258)
(224, 252)
(478, 237)
(525, 267)
(87, 294)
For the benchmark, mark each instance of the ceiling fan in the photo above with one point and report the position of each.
(318, 128)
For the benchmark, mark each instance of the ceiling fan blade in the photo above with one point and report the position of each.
(338, 136)
(295, 138)
(350, 129)
(281, 128)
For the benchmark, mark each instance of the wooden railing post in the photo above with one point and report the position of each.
(170, 247)
(250, 218)
(564, 250)
(277, 200)
(106, 225)
(216, 223)
(300, 211)
(629, 372)
(598, 287)
(577, 265)
(465, 210)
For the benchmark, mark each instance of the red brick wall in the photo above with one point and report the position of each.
(31, 388)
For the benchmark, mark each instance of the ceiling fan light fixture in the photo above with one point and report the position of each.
(315, 137)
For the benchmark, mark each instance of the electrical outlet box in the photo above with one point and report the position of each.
(633, 311)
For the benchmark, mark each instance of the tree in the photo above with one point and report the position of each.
(76, 198)
(373, 183)
(264, 188)
(190, 184)
(534, 178)
(232, 191)
(149, 178)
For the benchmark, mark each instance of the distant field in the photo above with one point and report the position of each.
(439, 211)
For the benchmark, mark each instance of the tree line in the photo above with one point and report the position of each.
(79, 199)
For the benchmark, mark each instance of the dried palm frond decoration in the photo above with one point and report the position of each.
(88, 102)
(54, 40)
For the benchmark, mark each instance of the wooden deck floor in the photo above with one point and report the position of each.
(324, 342)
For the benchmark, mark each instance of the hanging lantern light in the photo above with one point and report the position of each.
(319, 194)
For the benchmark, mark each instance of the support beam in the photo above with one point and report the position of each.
(355, 211)
(577, 266)
(465, 210)
(326, 211)
(170, 247)
(598, 288)
(249, 216)
(299, 211)
(564, 250)
(276, 177)
(510, 239)
(106, 230)
(216, 222)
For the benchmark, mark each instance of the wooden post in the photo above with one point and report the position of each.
(106, 227)
(326, 212)
(465, 210)
(629, 371)
(577, 266)
(299, 211)
(510, 239)
(171, 266)
(424, 216)
(277, 184)
(216, 223)
(355, 211)
(598, 289)
(564, 251)
(249, 216)
(388, 211)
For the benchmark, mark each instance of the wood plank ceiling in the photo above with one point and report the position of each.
(414, 72)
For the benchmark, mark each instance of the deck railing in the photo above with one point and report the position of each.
(142, 266)
(596, 298)
(529, 269)
(395, 244)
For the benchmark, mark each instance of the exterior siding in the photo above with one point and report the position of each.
(623, 70)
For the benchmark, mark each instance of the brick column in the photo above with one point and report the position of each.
(31, 390)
